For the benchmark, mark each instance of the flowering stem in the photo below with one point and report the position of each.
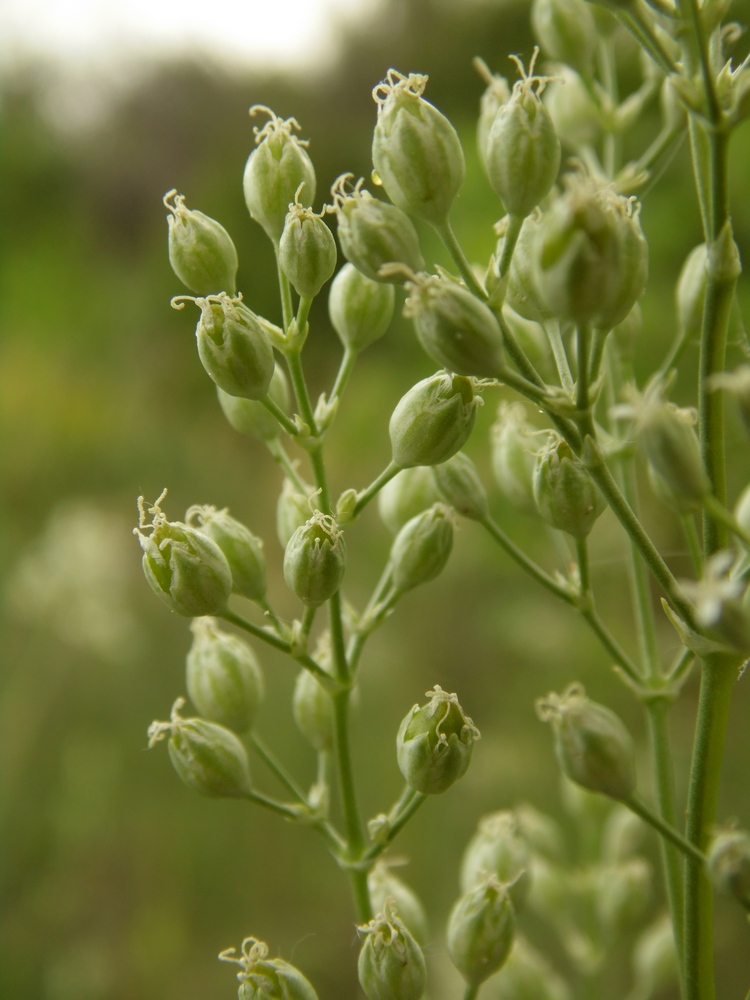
(472, 992)
(513, 231)
(289, 425)
(287, 308)
(639, 807)
(280, 456)
(446, 234)
(398, 817)
(275, 765)
(366, 495)
(345, 370)
(554, 336)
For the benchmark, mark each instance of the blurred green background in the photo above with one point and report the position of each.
(118, 882)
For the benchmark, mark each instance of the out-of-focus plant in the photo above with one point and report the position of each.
(570, 267)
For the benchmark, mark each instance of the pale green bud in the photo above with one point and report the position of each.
(623, 893)
(521, 292)
(435, 742)
(455, 328)
(433, 420)
(690, 292)
(737, 384)
(592, 255)
(292, 510)
(527, 975)
(307, 251)
(416, 151)
(514, 450)
(184, 567)
(315, 559)
(574, 112)
(622, 835)
(391, 965)
(421, 548)
(249, 416)
(262, 978)
(274, 172)
(383, 885)
(542, 834)
(655, 963)
(593, 746)
(207, 757)
(493, 98)
(233, 346)
(666, 435)
(498, 848)
(480, 931)
(201, 251)
(566, 496)
(360, 309)
(729, 864)
(243, 550)
(224, 679)
(459, 485)
(523, 151)
(409, 493)
(566, 30)
(373, 233)
(313, 711)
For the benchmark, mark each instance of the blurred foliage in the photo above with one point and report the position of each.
(118, 883)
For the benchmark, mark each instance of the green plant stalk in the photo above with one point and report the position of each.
(280, 456)
(342, 376)
(285, 291)
(407, 805)
(513, 231)
(446, 234)
(717, 681)
(552, 329)
(371, 491)
(289, 426)
(639, 807)
(583, 339)
(276, 767)
(278, 643)
(472, 992)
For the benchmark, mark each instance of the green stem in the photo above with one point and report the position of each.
(472, 992)
(554, 336)
(275, 765)
(273, 640)
(280, 808)
(693, 543)
(285, 290)
(268, 612)
(446, 234)
(639, 807)
(345, 370)
(279, 454)
(407, 805)
(294, 363)
(512, 232)
(583, 337)
(289, 425)
(598, 343)
(582, 551)
(303, 311)
(366, 495)
(632, 21)
(717, 682)
(681, 666)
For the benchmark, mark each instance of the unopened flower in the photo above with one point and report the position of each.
(315, 559)
(435, 742)
(201, 251)
(360, 309)
(224, 678)
(480, 930)
(391, 964)
(243, 550)
(307, 250)
(433, 420)
(262, 978)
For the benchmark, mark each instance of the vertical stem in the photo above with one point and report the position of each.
(446, 234)
(513, 231)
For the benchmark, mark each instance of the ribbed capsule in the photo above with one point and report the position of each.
(315, 559)
(307, 251)
(433, 420)
(201, 251)
(410, 492)
(498, 848)
(250, 416)
(224, 678)
(435, 743)
(567, 32)
(264, 978)
(565, 494)
(360, 309)
(421, 548)
(416, 151)
(391, 965)
(242, 549)
(480, 930)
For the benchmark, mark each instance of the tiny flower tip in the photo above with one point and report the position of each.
(412, 85)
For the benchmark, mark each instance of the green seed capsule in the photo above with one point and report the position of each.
(201, 251)
(622, 894)
(313, 711)
(522, 293)
(574, 112)
(391, 965)
(493, 98)
(315, 559)
(593, 746)
(275, 171)
(523, 151)
(514, 450)
(567, 32)
(454, 327)
(480, 931)
(729, 864)
(435, 742)
(409, 493)
(433, 420)
(184, 567)
(566, 496)
(416, 151)
(249, 416)
(383, 885)
(243, 550)
(421, 548)
(459, 485)
(208, 757)
(360, 309)
(374, 233)
(690, 292)
(292, 510)
(498, 848)
(262, 978)
(224, 679)
(307, 251)
(592, 256)
(666, 435)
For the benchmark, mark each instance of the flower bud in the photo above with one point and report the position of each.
(566, 30)
(435, 743)
(498, 848)
(201, 251)
(566, 496)
(233, 346)
(373, 233)
(315, 559)
(521, 292)
(480, 930)
(391, 965)
(527, 975)
(623, 892)
(360, 309)
(655, 962)
(410, 492)
(523, 151)
(243, 550)
(592, 255)
(593, 746)
(313, 711)
(184, 567)
(208, 757)
(540, 832)
(249, 416)
(433, 420)
(292, 511)
(421, 548)
(454, 327)
(383, 885)
(224, 679)
(307, 251)
(574, 112)
(495, 95)
(690, 292)
(274, 172)
(267, 979)
(514, 456)
(416, 151)
(459, 485)
(729, 864)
